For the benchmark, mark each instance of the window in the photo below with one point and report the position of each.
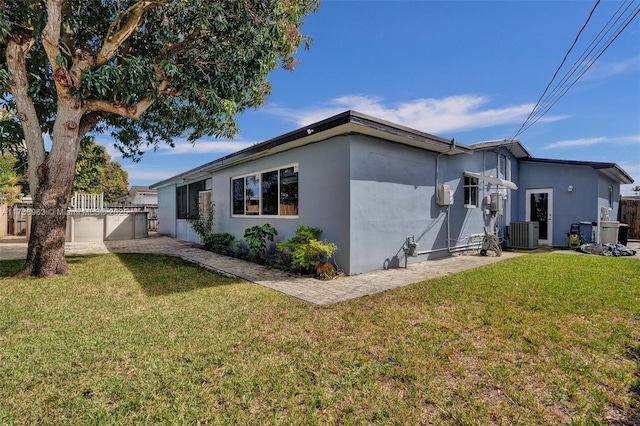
(268, 193)
(182, 202)
(611, 197)
(188, 197)
(252, 194)
(470, 191)
(289, 191)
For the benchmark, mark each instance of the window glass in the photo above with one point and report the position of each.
(194, 195)
(611, 197)
(238, 196)
(289, 191)
(182, 202)
(252, 195)
(470, 191)
(270, 193)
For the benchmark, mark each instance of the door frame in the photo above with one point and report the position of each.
(549, 192)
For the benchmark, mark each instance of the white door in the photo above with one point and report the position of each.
(540, 209)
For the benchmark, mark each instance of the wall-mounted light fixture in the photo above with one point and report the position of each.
(570, 188)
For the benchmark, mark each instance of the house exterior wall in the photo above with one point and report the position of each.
(581, 204)
(367, 195)
(167, 210)
(323, 194)
(393, 195)
(606, 184)
(145, 198)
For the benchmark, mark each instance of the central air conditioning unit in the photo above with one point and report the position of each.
(524, 235)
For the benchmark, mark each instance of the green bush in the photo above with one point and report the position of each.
(202, 222)
(257, 237)
(219, 243)
(304, 251)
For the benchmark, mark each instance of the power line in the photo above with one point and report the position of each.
(557, 69)
(581, 66)
(590, 64)
(583, 57)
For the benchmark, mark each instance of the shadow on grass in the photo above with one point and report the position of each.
(8, 268)
(157, 275)
(160, 275)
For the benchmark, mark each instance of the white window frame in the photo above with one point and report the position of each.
(260, 173)
(466, 188)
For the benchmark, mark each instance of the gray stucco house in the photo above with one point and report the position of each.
(369, 184)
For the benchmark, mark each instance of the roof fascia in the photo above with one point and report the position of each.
(341, 124)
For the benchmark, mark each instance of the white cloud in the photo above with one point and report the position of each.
(136, 173)
(205, 147)
(602, 70)
(453, 113)
(573, 143)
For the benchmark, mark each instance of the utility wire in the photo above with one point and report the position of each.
(580, 62)
(637, 11)
(547, 101)
(558, 69)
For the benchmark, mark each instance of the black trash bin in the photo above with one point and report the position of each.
(623, 234)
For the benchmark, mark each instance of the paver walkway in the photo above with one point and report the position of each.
(307, 289)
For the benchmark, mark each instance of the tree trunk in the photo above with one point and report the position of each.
(45, 255)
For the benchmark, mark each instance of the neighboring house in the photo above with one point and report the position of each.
(139, 195)
(369, 184)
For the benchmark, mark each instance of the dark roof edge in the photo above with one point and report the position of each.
(479, 146)
(597, 165)
(343, 118)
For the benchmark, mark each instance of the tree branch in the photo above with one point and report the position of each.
(132, 112)
(89, 121)
(18, 45)
(127, 23)
(51, 31)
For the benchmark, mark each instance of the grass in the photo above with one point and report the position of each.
(128, 339)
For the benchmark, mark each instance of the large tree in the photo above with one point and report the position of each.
(146, 70)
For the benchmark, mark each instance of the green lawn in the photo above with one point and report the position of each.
(538, 339)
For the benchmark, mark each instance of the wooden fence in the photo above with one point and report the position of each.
(630, 214)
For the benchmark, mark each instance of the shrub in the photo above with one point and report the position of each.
(203, 219)
(257, 237)
(219, 243)
(305, 250)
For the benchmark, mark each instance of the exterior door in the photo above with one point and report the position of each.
(540, 209)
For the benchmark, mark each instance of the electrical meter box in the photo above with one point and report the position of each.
(496, 203)
(445, 195)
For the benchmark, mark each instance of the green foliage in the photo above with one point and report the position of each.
(219, 243)
(257, 237)
(305, 250)
(95, 172)
(10, 189)
(198, 62)
(202, 219)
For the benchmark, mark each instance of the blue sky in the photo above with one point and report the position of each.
(465, 70)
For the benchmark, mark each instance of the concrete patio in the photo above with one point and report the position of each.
(308, 289)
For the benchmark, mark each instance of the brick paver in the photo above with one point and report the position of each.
(308, 289)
